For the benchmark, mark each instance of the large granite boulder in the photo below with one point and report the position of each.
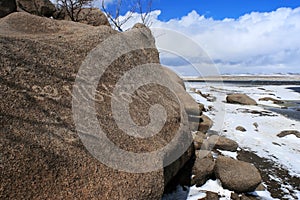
(240, 99)
(44, 154)
(236, 175)
(36, 7)
(7, 7)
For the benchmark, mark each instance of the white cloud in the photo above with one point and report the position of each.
(254, 43)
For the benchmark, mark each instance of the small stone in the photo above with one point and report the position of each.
(235, 196)
(275, 101)
(255, 124)
(289, 132)
(211, 196)
(240, 128)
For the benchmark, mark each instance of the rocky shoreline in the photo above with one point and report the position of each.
(265, 167)
(209, 163)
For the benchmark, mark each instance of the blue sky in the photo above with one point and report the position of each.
(218, 9)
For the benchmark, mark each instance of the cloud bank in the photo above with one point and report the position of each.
(256, 43)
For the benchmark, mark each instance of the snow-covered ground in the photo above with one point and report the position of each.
(262, 127)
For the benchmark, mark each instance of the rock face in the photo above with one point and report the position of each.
(36, 7)
(237, 175)
(42, 155)
(7, 7)
(240, 99)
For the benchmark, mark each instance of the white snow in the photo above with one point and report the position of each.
(211, 185)
(229, 154)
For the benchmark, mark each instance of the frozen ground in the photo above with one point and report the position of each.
(262, 127)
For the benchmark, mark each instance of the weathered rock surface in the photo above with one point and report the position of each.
(7, 7)
(289, 132)
(36, 7)
(222, 143)
(42, 156)
(240, 99)
(237, 175)
(203, 168)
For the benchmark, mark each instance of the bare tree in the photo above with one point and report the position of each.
(73, 7)
(145, 14)
(137, 6)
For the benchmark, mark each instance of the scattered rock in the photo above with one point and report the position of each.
(248, 197)
(211, 196)
(7, 7)
(206, 124)
(260, 187)
(289, 132)
(240, 99)
(222, 143)
(208, 97)
(276, 101)
(36, 7)
(255, 124)
(256, 112)
(235, 196)
(240, 128)
(237, 175)
(269, 168)
(201, 107)
(203, 168)
(275, 143)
